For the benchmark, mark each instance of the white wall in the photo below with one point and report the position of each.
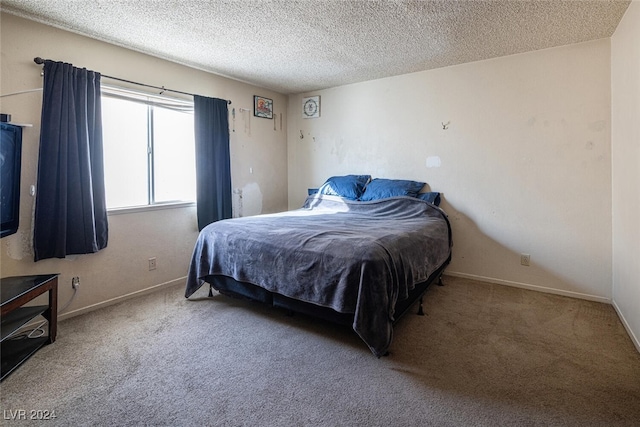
(525, 164)
(625, 141)
(169, 235)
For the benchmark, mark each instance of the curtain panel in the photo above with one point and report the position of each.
(213, 161)
(70, 206)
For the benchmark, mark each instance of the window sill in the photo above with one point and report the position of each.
(147, 208)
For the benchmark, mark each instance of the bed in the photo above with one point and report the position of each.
(354, 260)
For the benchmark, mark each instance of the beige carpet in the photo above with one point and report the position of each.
(484, 355)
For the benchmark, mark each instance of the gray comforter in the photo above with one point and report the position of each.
(354, 257)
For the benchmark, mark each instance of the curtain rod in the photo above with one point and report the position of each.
(40, 61)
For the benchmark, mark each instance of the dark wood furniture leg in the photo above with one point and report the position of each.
(52, 312)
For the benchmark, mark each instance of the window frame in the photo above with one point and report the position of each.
(150, 100)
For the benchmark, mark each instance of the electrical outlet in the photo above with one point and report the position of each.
(152, 263)
(525, 259)
(75, 282)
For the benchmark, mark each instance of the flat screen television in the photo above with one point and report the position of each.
(10, 161)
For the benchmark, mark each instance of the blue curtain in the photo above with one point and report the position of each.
(213, 162)
(70, 211)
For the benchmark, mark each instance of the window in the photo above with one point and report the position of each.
(149, 149)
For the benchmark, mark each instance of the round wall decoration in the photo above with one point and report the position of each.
(311, 107)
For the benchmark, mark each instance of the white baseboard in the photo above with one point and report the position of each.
(121, 298)
(634, 338)
(530, 287)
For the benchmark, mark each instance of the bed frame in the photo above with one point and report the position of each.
(233, 288)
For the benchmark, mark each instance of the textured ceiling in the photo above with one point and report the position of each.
(301, 46)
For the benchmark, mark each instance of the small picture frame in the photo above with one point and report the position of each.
(311, 107)
(262, 107)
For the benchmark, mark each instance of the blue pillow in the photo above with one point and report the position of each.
(431, 197)
(311, 191)
(348, 186)
(381, 188)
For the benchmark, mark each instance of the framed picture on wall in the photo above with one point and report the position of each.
(262, 107)
(311, 107)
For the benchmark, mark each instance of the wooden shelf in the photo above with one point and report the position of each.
(16, 351)
(19, 317)
(15, 292)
